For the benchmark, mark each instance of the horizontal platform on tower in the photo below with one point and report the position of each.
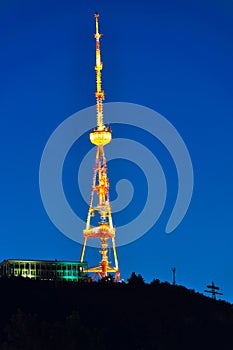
(101, 137)
(99, 269)
(102, 231)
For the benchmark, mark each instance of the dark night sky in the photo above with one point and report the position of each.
(172, 56)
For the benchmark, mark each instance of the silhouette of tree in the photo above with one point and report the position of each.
(108, 279)
(155, 282)
(21, 330)
(136, 279)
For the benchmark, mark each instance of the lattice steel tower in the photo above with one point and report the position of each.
(100, 137)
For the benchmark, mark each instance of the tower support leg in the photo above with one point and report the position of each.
(115, 253)
(83, 249)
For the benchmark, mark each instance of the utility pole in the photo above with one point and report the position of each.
(213, 290)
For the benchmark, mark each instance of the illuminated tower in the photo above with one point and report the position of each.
(104, 231)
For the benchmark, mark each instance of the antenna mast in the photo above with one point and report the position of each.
(174, 276)
(98, 68)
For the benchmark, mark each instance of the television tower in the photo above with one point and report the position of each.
(100, 137)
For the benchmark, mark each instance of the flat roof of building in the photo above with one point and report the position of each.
(48, 261)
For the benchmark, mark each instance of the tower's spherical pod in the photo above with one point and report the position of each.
(101, 137)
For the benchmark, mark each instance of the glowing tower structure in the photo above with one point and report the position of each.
(100, 137)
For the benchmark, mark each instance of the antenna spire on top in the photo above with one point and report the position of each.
(98, 68)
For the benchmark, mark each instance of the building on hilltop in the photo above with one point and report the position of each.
(52, 270)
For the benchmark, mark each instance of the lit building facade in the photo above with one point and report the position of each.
(53, 270)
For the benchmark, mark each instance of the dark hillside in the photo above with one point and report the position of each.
(46, 315)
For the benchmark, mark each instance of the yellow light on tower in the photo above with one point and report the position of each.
(100, 137)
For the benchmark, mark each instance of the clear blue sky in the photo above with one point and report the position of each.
(172, 56)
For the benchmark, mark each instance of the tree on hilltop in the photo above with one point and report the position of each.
(136, 280)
